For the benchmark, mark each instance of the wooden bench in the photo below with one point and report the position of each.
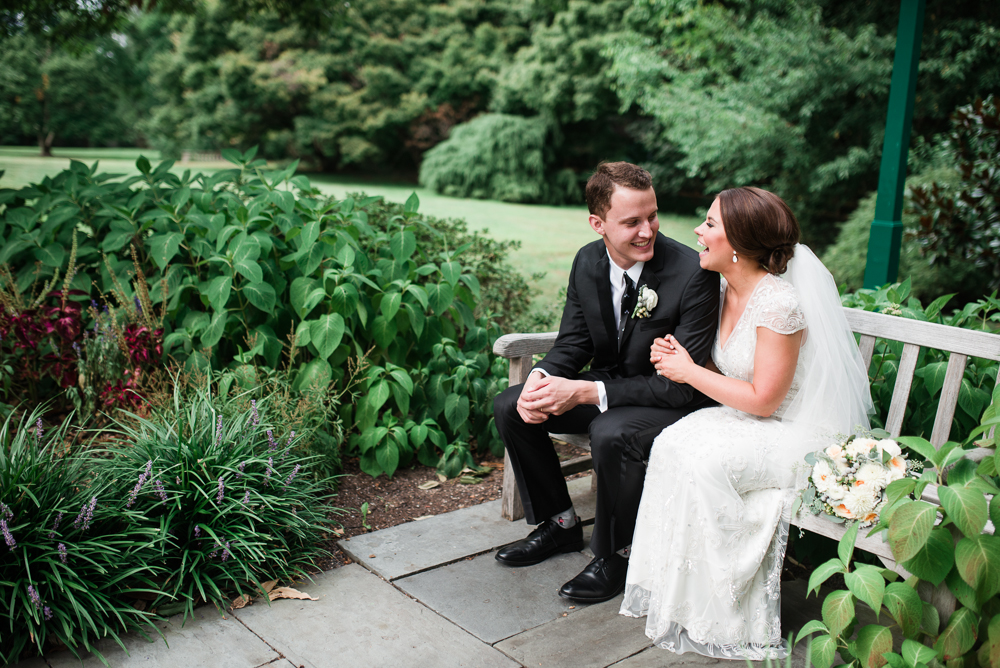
(914, 334)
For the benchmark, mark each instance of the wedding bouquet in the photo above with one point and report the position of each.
(849, 478)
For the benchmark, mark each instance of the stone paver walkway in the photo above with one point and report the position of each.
(424, 594)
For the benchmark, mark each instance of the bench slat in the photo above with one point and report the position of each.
(924, 334)
(949, 398)
(901, 392)
(867, 347)
(521, 345)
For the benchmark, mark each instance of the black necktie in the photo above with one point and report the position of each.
(626, 302)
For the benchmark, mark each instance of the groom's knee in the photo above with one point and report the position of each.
(505, 407)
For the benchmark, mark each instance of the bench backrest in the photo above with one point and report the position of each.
(913, 334)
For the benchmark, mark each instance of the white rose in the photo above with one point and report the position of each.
(650, 299)
(890, 446)
(861, 446)
(835, 452)
(836, 492)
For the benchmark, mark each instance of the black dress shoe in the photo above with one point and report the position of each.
(547, 539)
(601, 580)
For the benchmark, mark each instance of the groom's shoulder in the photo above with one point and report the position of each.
(676, 254)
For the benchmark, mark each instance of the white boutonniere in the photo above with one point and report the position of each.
(646, 302)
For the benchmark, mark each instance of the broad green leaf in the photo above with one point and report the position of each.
(261, 295)
(439, 297)
(302, 338)
(378, 394)
(218, 292)
(921, 446)
(316, 374)
(326, 333)
(244, 247)
(845, 548)
(909, 528)
(250, 270)
(402, 398)
(966, 508)
(935, 306)
(822, 650)
(959, 636)
(51, 255)
(905, 606)
(868, 585)
(895, 660)
(822, 573)
(933, 561)
(873, 641)
(965, 594)
(451, 272)
(299, 295)
(390, 304)
(930, 619)
(417, 318)
(978, 562)
(383, 331)
(308, 236)
(344, 299)
(838, 611)
(897, 489)
(915, 652)
(933, 375)
(403, 379)
(268, 340)
(456, 410)
(419, 294)
(812, 626)
(412, 204)
(971, 399)
(215, 330)
(387, 455)
(995, 508)
(402, 245)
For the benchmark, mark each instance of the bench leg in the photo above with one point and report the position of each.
(510, 498)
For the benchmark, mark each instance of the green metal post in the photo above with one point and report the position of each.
(887, 228)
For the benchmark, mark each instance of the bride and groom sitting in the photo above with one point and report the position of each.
(702, 396)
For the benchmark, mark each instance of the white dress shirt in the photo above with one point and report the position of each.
(616, 275)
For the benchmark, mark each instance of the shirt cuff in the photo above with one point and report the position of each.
(602, 396)
(541, 371)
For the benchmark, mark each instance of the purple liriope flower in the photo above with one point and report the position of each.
(218, 431)
(39, 432)
(290, 438)
(62, 552)
(246, 498)
(7, 537)
(292, 476)
(149, 469)
(272, 445)
(197, 531)
(55, 525)
(47, 611)
(160, 492)
(35, 598)
(267, 472)
(5, 511)
(135, 490)
(254, 418)
(215, 552)
(225, 552)
(222, 491)
(76, 348)
(240, 468)
(82, 520)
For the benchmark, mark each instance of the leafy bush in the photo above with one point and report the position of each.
(498, 156)
(961, 222)
(952, 553)
(64, 579)
(921, 409)
(245, 259)
(230, 500)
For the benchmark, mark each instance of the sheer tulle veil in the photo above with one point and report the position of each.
(833, 397)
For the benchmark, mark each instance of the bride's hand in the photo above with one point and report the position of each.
(671, 359)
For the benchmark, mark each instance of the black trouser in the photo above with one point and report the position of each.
(620, 441)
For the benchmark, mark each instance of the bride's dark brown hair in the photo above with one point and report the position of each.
(759, 226)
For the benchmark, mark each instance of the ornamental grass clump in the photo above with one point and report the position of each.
(64, 581)
(224, 525)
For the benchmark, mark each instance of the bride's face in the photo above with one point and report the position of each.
(712, 238)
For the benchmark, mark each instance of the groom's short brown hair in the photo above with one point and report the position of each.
(601, 184)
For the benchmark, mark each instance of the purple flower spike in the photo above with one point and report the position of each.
(197, 531)
(290, 438)
(292, 476)
(39, 432)
(160, 492)
(240, 468)
(7, 537)
(222, 491)
(5, 511)
(55, 525)
(149, 469)
(47, 611)
(35, 598)
(254, 418)
(82, 520)
(272, 445)
(246, 498)
(138, 304)
(62, 552)
(225, 552)
(267, 473)
(218, 431)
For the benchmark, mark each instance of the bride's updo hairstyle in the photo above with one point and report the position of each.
(759, 226)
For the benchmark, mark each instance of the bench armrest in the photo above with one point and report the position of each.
(512, 346)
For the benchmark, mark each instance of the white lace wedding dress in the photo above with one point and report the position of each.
(713, 522)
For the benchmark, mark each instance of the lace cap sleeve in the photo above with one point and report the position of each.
(780, 311)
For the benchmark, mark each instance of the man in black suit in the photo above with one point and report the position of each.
(620, 400)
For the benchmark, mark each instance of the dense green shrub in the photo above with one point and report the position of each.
(980, 375)
(244, 260)
(71, 560)
(846, 257)
(498, 156)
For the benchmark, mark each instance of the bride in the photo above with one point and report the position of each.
(710, 537)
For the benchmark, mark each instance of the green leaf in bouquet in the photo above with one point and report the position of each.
(965, 507)
(910, 527)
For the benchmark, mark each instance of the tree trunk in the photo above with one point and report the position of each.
(45, 144)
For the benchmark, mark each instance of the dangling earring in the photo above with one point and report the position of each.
(735, 259)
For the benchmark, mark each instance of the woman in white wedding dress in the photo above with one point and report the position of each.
(710, 537)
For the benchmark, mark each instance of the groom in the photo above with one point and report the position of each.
(620, 401)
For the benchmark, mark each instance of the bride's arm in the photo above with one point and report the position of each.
(774, 367)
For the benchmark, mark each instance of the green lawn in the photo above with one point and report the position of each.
(549, 235)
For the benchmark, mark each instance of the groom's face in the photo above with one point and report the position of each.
(629, 227)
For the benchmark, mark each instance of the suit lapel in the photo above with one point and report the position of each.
(603, 286)
(648, 278)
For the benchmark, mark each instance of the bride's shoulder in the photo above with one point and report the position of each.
(779, 294)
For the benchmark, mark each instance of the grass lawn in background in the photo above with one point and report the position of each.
(549, 235)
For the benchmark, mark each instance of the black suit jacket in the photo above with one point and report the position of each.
(688, 308)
